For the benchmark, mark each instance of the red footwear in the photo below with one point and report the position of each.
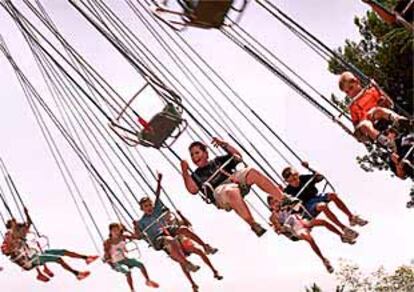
(42, 278)
(91, 259)
(48, 272)
(152, 284)
(82, 275)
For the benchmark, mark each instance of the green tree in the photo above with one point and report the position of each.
(313, 288)
(352, 279)
(316, 288)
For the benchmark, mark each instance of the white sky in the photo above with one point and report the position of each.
(247, 263)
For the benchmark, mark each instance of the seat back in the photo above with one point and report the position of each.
(161, 127)
(406, 9)
(211, 13)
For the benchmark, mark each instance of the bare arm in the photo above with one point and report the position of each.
(159, 186)
(189, 182)
(318, 177)
(227, 147)
(137, 234)
(107, 250)
(129, 235)
(275, 222)
(184, 220)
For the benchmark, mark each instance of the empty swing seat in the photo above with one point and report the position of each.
(211, 14)
(167, 124)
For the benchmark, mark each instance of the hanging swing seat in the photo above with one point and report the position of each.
(202, 13)
(38, 241)
(166, 125)
(166, 219)
(405, 8)
(161, 131)
(210, 14)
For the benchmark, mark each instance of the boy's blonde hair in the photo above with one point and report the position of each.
(345, 78)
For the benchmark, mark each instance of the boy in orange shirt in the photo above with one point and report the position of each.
(369, 105)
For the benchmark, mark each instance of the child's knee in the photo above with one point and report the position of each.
(365, 126)
(139, 265)
(253, 172)
(332, 196)
(321, 207)
(234, 196)
(306, 237)
(184, 229)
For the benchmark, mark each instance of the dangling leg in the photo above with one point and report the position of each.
(323, 207)
(79, 275)
(349, 234)
(340, 204)
(326, 224)
(130, 281)
(205, 259)
(239, 206)
(367, 128)
(332, 228)
(40, 276)
(55, 255)
(133, 263)
(353, 219)
(236, 202)
(88, 259)
(177, 254)
(188, 276)
(400, 122)
(187, 232)
(266, 185)
(308, 237)
(48, 272)
(122, 267)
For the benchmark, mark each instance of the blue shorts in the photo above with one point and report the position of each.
(310, 205)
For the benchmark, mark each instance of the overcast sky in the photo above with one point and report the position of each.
(270, 263)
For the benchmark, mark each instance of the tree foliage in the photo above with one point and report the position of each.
(352, 279)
